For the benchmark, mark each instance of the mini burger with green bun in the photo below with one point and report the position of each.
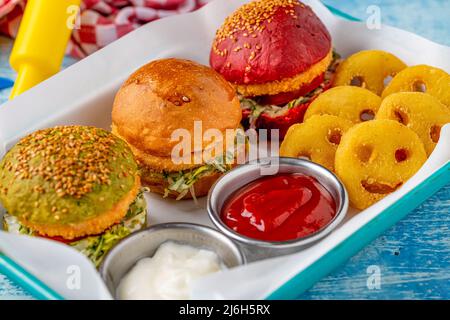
(75, 184)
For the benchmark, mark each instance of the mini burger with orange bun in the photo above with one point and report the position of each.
(279, 57)
(168, 100)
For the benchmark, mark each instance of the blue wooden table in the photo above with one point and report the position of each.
(413, 257)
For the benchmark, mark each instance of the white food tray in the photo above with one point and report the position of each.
(83, 94)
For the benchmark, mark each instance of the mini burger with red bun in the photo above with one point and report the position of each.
(279, 57)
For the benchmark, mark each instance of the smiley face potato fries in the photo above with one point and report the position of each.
(316, 139)
(375, 158)
(420, 112)
(368, 69)
(422, 78)
(348, 102)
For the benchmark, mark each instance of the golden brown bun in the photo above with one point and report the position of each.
(164, 163)
(158, 185)
(168, 94)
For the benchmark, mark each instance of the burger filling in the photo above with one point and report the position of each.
(96, 246)
(254, 107)
(182, 182)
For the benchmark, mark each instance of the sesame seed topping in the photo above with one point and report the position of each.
(71, 158)
(251, 17)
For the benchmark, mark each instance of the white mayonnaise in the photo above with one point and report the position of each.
(168, 274)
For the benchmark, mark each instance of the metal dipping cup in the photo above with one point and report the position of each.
(144, 243)
(242, 175)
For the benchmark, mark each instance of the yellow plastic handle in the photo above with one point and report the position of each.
(42, 40)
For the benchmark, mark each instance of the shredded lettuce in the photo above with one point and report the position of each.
(256, 109)
(95, 247)
(183, 181)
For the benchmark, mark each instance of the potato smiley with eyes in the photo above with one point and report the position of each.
(420, 112)
(352, 103)
(316, 139)
(421, 78)
(375, 158)
(368, 69)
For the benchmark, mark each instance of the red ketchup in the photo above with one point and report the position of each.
(279, 208)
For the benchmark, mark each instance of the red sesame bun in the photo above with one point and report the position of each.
(270, 40)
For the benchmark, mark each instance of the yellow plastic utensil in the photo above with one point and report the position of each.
(42, 40)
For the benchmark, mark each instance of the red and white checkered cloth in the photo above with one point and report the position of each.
(101, 21)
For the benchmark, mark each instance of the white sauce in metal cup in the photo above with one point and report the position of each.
(169, 273)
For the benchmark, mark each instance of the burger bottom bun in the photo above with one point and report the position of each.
(159, 185)
(94, 246)
(287, 84)
(92, 226)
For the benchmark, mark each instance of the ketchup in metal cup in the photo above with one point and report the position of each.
(282, 207)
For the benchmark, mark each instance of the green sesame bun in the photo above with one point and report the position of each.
(69, 182)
